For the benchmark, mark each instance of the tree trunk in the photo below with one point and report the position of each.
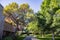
(42, 33)
(53, 37)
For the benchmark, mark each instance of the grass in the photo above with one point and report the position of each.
(21, 37)
(48, 38)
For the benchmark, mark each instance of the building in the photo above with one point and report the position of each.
(1, 21)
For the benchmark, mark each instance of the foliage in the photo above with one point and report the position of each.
(8, 38)
(47, 19)
(11, 8)
(32, 27)
(19, 14)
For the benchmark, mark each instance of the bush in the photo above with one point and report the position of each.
(19, 38)
(7, 38)
(48, 35)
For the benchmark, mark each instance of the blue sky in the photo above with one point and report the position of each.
(34, 4)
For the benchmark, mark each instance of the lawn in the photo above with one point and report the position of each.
(21, 37)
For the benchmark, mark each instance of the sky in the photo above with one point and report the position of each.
(34, 4)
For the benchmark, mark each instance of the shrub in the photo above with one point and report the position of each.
(7, 38)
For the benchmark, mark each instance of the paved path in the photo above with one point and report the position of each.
(34, 39)
(30, 38)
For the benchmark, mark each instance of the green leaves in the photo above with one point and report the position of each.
(23, 13)
(33, 27)
(53, 4)
(57, 18)
(48, 18)
(11, 8)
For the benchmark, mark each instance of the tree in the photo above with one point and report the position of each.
(19, 14)
(57, 21)
(25, 13)
(24, 8)
(46, 17)
(11, 11)
(32, 26)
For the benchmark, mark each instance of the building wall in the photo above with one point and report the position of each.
(1, 21)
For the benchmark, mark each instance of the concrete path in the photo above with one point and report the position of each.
(30, 38)
(34, 39)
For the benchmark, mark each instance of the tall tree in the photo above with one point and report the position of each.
(46, 16)
(19, 14)
(25, 12)
(11, 11)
